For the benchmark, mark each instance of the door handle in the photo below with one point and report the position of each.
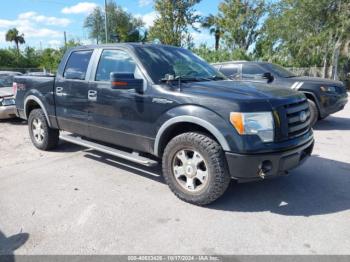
(92, 95)
(59, 91)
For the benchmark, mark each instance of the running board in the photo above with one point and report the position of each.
(133, 157)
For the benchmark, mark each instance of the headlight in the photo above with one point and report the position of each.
(7, 101)
(259, 123)
(329, 89)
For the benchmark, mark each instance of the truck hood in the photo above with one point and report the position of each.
(6, 91)
(228, 89)
(316, 80)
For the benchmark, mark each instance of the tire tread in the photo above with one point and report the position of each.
(217, 159)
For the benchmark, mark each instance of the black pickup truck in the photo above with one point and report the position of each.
(325, 96)
(145, 102)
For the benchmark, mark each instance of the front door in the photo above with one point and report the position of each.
(71, 94)
(120, 117)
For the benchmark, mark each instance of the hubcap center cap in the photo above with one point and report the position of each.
(190, 170)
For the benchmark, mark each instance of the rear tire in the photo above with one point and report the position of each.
(314, 115)
(195, 169)
(43, 137)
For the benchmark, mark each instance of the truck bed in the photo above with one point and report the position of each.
(40, 86)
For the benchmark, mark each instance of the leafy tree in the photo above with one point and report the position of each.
(211, 22)
(30, 58)
(122, 26)
(175, 18)
(220, 55)
(240, 20)
(95, 23)
(13, 35)
(8, 58)
(306, 32)
(50, 59)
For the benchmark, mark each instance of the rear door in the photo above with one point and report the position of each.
(71, 93)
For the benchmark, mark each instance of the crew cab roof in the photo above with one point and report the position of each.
(125, 45)
(241, 62)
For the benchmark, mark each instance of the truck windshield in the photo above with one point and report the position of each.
(160, 61)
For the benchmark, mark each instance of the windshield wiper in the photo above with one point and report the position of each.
(180, 79)
(185, 79)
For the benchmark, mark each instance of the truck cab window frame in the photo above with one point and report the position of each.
(127, 65)
(77, 68)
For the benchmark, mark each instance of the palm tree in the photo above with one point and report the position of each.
(13, 35)
(211, 22)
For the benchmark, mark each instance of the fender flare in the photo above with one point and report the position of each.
(194, 120)
(37, 100)
(315, 98)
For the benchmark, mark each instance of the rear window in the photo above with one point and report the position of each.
(77, 65)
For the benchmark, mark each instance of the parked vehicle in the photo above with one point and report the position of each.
(7, 100)
(325, 96)
(144, 103)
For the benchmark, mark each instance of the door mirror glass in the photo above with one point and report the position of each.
(126, 81)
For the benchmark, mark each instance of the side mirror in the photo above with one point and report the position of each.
(268, 76)
(126, 81)
(235, 76)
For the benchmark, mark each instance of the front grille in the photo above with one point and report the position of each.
(298, 117)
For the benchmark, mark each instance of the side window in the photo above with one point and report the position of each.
(77, 65)
(252, 71)
(117, 61)
(217, 67)
(231, 71)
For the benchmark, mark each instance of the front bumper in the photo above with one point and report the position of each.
(7, 112)
(330, 104)
(246, 168)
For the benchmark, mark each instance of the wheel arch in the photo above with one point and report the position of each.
(183, 124)
(313, 98)
(32, 102)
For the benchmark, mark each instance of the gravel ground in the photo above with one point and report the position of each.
(78, 201)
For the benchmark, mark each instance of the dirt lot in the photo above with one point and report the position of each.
(76, 201)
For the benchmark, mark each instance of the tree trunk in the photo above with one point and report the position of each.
(217, 40)
(324, 70)
(335, 60)
(17, 47)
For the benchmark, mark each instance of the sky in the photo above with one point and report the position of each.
(43, 22)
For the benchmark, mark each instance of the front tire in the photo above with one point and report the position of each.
(195, 169)
(314, 115)
(43, 137)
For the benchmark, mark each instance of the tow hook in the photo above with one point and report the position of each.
(261, 173)
(264, 167)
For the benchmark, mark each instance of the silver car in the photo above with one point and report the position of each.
(7, 101)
